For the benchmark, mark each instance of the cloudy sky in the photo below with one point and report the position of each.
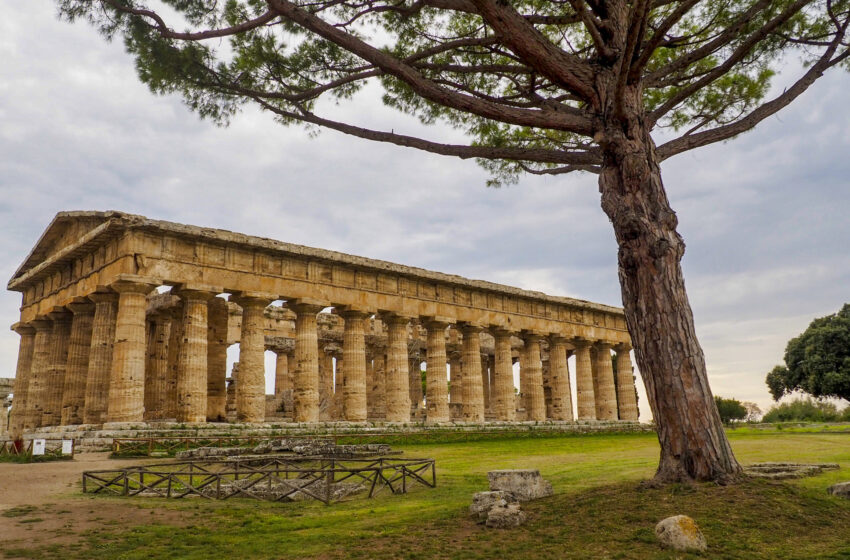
(766, 217)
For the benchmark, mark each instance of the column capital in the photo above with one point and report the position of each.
(352, 312)
(501, 331)
(102, 296)
(81, 306)
(23, 328)
(130, 283)
(467, 327)
(60, 314)
(42, 324)
(393, 318)
(580, 342)
(437, 322)
(603, 345)
(194, 292)
(623, 347)
(305, 306)
(558, 339)
(251, 299)
(531, 336)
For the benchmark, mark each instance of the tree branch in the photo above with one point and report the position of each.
(566, 119)
(725, 132)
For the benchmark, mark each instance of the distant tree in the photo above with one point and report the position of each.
(753, 411)
(818, 361)
(803, 410)
(730, 409)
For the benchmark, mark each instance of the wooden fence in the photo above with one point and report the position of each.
(53, 448)
(268, 478)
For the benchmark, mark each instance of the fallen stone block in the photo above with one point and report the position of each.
(680, 532)
(506, 516)
(525, 484)
(842, 490)
(483, 502)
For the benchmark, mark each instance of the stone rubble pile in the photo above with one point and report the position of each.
(295, 446)
(780, 471)
(500, 507)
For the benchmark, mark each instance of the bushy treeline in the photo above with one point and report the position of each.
(807, 410)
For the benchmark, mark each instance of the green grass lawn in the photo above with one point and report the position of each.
(599, 509)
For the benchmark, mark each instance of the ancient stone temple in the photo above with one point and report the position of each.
(128, 320)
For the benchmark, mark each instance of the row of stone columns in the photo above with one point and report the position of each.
(101, 360)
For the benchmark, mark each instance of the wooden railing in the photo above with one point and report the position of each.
(53, 448)
(276, 479)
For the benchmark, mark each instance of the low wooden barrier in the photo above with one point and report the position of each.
(53, 448)
(269, 478)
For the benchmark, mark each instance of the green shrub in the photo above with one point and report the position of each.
(805, 410)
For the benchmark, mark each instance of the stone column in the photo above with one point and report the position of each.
(175, 343)
(397, 384)
(377, 395)
(127, 378)
(251, 385)
(306, 378)
(326, 376)
(559, 379)
(536, 403)
(626, 398)
(59, 340)
(585, 399)
(100, 356)
(79, 348)
(485, 380)
(231, 393)
(282, 379)
(192, 365)
(606, 399)
(217, 360)
(23, 375)
(436, 386)
(156, 378)
(502, 394)
(354, 357)
(37, 394)
(473, 390)
(455, 377)
(414, 368)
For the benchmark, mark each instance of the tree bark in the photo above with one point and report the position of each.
(693, 443)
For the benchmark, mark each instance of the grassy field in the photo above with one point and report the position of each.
(600, 510)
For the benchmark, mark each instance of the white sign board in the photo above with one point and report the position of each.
(67, 446)
(38, 447)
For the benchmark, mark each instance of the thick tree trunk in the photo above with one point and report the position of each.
(693, 443)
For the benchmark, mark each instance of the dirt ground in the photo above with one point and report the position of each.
(42, 504)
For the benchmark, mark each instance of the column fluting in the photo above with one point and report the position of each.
(59, 340)
(626, 398)
(585, 399)
(606, 399)
(23, 374)
(192, 368)
(436, 385)
(354, 358)
(251, 385)
(397, 377)
(100, 356)
(473, 390)
(77, 368)
(306, 376)
(127, 377)
(559, 380)
(535, 400)
(502, 394)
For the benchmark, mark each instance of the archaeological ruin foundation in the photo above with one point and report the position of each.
(125, 319)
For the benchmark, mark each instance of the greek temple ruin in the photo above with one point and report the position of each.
(125, 319)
